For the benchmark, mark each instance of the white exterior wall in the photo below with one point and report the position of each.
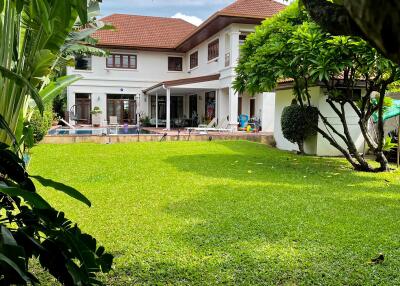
(152, 68)
(323, 146)
(267, 103)
(316, 145)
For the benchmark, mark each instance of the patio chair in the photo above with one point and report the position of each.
(203, 127)
(223, 126)
(114, 123)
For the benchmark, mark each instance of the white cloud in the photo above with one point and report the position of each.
(191, 19)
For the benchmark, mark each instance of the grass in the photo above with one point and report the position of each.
(232, 213)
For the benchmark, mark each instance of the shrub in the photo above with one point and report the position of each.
(297, 123)
(41, 124)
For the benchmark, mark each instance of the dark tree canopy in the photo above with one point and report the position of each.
(378, 22)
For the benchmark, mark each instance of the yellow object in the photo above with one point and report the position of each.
(248, 128)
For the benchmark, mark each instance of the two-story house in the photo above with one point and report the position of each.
(168, 69)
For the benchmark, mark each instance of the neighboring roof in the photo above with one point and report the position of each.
(132, 31)
(289, 83)
(253, 8)
(241, 11)
(157, 33)
(184, 81)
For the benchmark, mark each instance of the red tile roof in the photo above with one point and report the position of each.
(241, 11)
(167, 33)
(143, 31)
(253, 8)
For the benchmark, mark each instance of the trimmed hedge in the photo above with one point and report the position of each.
(297, 123)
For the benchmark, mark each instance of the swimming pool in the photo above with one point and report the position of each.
(101, 131)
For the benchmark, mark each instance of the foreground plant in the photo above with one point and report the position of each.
(375, 21)
(31, 228)
(35, 36)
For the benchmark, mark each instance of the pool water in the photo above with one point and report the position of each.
(101, 131)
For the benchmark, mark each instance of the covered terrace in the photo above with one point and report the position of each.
(184, 102)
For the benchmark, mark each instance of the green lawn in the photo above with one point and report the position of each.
(232, 213)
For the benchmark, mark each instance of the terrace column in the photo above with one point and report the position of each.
(235, 48)
(168, 124)
(217, 106)
(157, 110)
(233, 109)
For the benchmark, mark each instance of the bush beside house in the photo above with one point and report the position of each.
(298, 123)
(41, 124)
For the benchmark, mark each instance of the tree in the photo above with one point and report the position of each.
(378, 22)
(33, 34)
(291, 45)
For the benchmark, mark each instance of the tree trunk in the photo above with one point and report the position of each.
(382, 160)
(301, 147)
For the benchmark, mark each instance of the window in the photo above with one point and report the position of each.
(242, 38)
(122, 61)
(83, 63)
(194, 60)
(213, 50)
(175, 63)
(210, 103)
(252, 107)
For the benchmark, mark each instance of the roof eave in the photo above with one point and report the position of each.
(185, 81)
(139, 48)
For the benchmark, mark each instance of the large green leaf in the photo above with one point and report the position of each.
(56, 87)
(2, 5)
(42, 9)
(23, 81)
(75, 49)
(15, 267)
(27, 137)
(42, 63)
(33, 198)
(12, 255)
(4, 126)
(81, 7)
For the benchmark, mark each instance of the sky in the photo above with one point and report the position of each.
(193, 11)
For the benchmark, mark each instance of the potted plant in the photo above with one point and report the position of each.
(96, 116)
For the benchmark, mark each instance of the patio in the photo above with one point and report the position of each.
(188, 102)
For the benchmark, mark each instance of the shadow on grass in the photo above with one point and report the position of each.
(273, 168)
(283, 219)
(70, 191)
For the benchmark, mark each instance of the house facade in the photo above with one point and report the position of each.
(170, 71)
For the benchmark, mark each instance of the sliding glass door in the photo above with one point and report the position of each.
(123, 107)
